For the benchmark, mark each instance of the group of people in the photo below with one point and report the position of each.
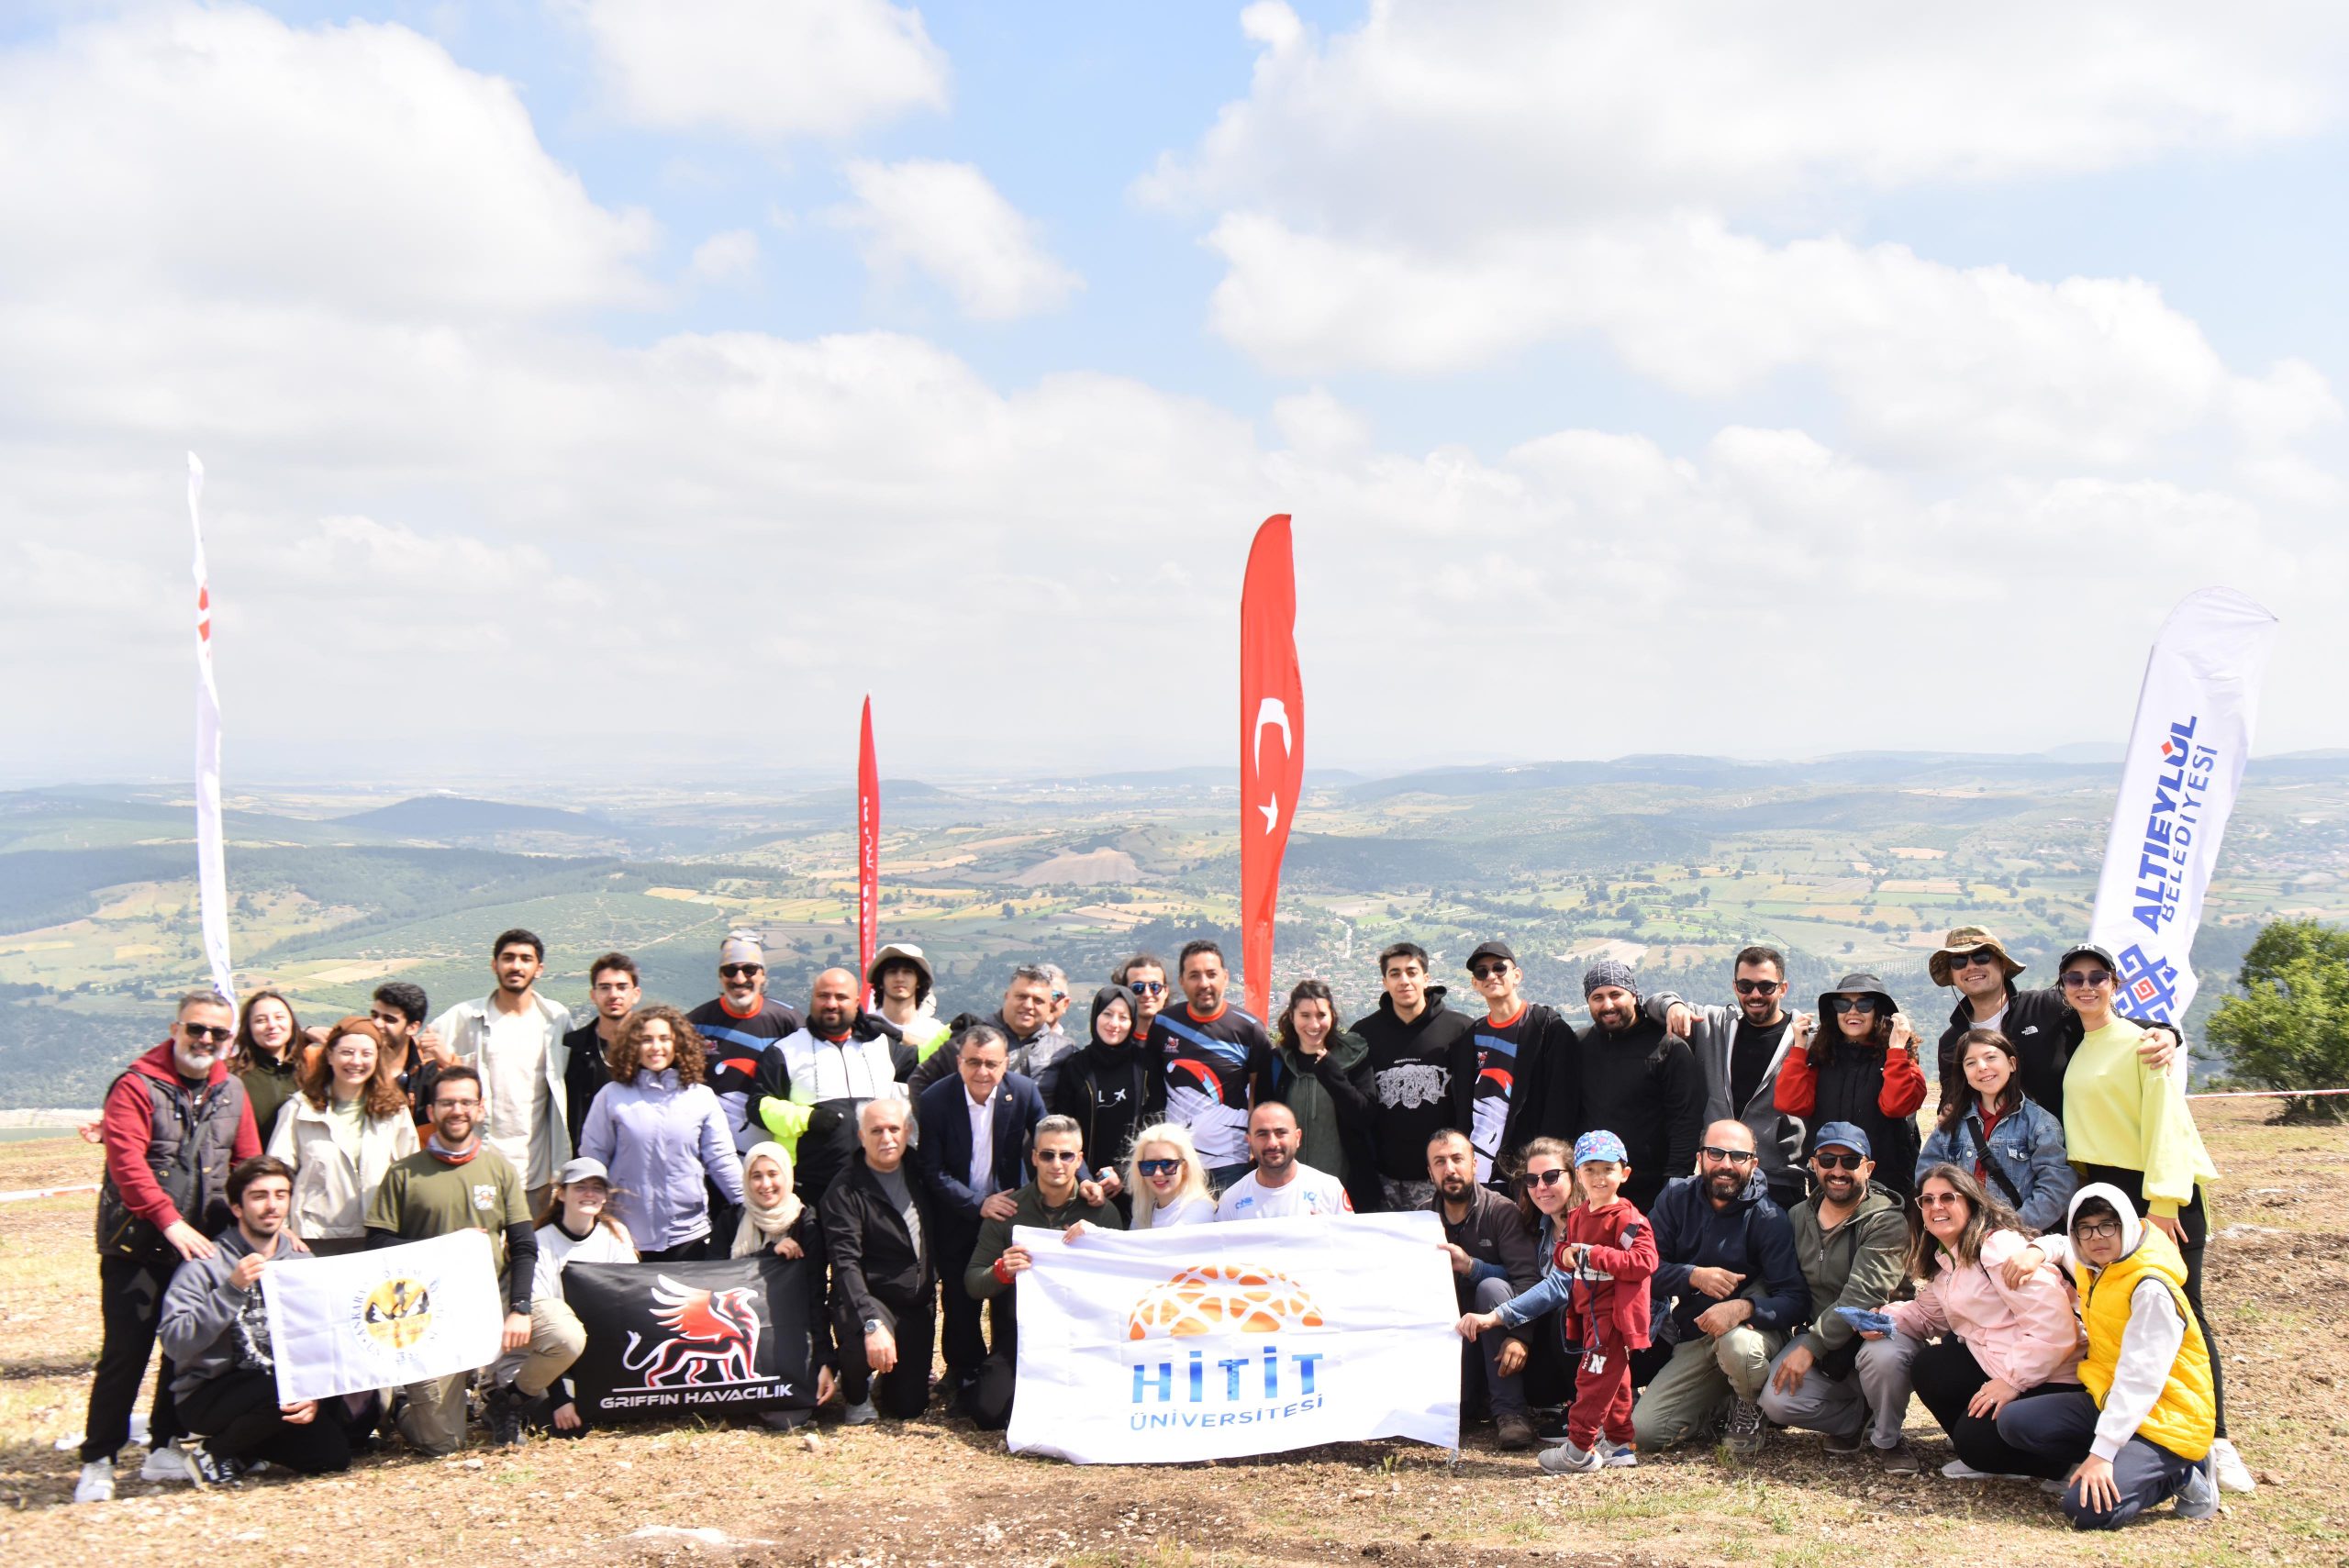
(1679, 1220)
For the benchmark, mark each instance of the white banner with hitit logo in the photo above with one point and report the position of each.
(381, 1318)
(2187, 751)
(1211, 1342)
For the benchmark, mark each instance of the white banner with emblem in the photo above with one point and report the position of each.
(381, 1318)
(1211, 1342)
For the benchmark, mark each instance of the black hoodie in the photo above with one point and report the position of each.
(1421, 1078)
(1642, 1086)
(1105, 1087)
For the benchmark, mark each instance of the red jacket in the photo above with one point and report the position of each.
(1798, 1091)
(1622, 1249)
(129, 1124)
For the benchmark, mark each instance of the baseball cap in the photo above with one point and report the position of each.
(1599, 1144)
(1843, 1135)
(1491, 949)
(582, 1169)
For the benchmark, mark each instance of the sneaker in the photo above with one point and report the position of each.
(2198, 1498)
(207, 1469)
(1958, 1470)
(1845, 1443)
(1618, 1456)
(97, 1485)
(504, 1408)
(164, 1463)
(1898, 1460)
(1516, 1433)
(1744, 1433)
(1549, 1428)
(1567, 1460)
(861, 1415)
(2228, 1469)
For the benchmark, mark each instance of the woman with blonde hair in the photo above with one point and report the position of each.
(345, 1126)
(1169, 1185)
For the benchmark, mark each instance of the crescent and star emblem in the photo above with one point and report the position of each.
(1271, 711)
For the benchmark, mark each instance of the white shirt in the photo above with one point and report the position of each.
(1190, 1211)
(982, 1144)
(1307, 1192)
(514, 1071)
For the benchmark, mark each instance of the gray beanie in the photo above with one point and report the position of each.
(1609, 971)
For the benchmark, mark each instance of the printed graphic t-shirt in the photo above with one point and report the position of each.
(1207, 1064)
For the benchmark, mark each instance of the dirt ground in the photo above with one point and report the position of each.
(938, 1492)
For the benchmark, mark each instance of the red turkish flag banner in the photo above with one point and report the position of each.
(1272, 747)
(868, 849)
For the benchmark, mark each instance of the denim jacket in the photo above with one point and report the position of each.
(2026, 1148)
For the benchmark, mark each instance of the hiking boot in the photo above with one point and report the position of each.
(2198, 1498)
(861, 1415)
(164, 1464)
(504, 1408)
(1567, 1460)
(97, 1485)
(2228, 1469)
(1744, 1433)
(207, 1469)
(1516, 1432)
(1898, 1460)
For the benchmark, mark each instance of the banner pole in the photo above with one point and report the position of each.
(211, 868)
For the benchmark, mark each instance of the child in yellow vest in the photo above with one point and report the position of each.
(2142, 1424)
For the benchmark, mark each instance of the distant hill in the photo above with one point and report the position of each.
(455, 817)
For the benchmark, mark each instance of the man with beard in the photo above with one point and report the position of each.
(1527, 1083)
(2043, 1031)
(1026, 1020)
(612, 988)
(1494, 1255)
(1421, 1076)
(514, 1036)
(1725, 1259)
(829, 1071)
(1208, 1062)
(1639, 1082)
(1738, 1050)
(1853, 1241)
(173, 1126)
(399, 1009)
(1281, 1187)
(740, 1029)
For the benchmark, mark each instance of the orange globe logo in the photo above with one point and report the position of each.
(1217, 1299)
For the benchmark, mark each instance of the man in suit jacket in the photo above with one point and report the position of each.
(976, 1129)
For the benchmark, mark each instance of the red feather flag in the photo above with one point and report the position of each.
(868, 849)
(1272, 747)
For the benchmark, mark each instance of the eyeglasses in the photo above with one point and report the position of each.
(196, 1033)
(1057, 1156)
(1851, 1004)
(2085, 979)
(1147, 987)
(2097, 1229)
(739, 971)
(1730, 1156)
(1488, 971)
(1544, 1178)
(1846, 1162)
(1968, 960)
(1158, 1167)
(1939, 1200)
(1759, 988)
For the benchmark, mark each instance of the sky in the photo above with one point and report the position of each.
(619, 387)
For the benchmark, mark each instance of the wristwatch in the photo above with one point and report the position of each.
(873, 1325)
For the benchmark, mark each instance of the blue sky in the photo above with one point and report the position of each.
(1598, 347)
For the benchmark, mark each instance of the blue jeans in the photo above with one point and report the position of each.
(1506, 1396)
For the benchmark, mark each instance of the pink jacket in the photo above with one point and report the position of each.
(2023, 1338)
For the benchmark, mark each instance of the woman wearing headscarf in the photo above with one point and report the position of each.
(1104, 1087)
(1857, 1063)
(775, 1220)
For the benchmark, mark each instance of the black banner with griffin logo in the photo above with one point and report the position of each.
(692, 1338)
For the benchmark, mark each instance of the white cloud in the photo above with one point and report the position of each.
(767, 70)
(947, 220)
(728, 257)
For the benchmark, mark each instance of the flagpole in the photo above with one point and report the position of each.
(211, 868)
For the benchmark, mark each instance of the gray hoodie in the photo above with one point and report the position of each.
(208, 1327)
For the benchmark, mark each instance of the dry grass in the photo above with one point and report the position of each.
(938, 1492)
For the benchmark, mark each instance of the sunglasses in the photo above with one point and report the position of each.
(739, 971)
(1544, 1178)
(1844, 1161)
(1759, 988)
(1057, 1156)
(1488, 971)
(196, 1032)
(1968, 960)
(1147, 987)
(1730, 1156)
(1158, 1167)
(2085, 979)
(1939, 1200)
(1851, 1005)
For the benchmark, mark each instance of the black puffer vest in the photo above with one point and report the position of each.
(192, 1144)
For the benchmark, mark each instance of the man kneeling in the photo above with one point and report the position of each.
(216, 1329)
(1052, 1202)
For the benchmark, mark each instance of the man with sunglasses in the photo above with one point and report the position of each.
(1738, 1050)
(1727, 1271)
(1145, 974)
(740, 1029)
(1050, 1202)
(1853, 1241)
(1526, 1082)
(174, 1125)
(2044, 1031)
